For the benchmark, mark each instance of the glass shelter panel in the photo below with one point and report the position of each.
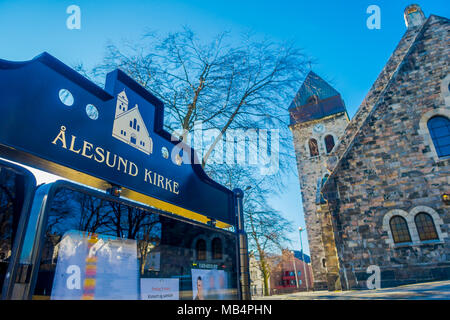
(104, 248)
(12, 192)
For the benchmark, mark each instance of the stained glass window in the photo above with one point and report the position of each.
(399, 229)
(425, 227)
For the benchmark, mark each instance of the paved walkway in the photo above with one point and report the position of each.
(439, 290)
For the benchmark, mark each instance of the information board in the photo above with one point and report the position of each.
(95, 267)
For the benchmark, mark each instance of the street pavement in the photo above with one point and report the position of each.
(439, 290)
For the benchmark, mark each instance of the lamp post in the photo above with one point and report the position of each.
(242, 247)
(295, 269)
(300, 229)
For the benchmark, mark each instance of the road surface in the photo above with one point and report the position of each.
(439, 290)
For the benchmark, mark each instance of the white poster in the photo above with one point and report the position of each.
(159, 289)
(94, 266)
(209, 284)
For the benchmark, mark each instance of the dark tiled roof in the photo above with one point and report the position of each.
(313, 85)
(324, 108)
(328, 101)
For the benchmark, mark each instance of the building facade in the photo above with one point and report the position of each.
(382, 203)
(290, 275)
(256, 276)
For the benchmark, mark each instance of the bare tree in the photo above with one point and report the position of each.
(267, 228)
(226, 85)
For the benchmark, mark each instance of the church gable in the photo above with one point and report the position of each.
(389, 167)
(381, 89)
(411, 89)
(129, 127)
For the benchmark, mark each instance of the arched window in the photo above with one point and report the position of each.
(425, 227)
(324, 263)
(439, 128)
(200, 248)
(329, 143)
(399, 229)
(217, 248)
(312, 99)
(313, 147)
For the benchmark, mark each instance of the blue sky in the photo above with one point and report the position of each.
(348, 54)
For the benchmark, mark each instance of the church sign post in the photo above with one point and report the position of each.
(242, 250)
(57, 121)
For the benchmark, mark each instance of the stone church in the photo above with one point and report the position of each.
(375, 189)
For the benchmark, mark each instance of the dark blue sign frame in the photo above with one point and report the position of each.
(58, 121)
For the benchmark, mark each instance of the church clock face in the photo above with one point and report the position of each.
(319, 128)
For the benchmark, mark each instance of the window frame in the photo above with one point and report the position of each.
(213, 252)
(425, 134)
(419, 233)
(17, 243)
(395, 232)
(197, 251)
(326, 145)
(41, 209)
(409, 216)
(309, 147)
(436, 140)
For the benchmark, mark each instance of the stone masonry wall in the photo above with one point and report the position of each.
(310, 169)
(373, 95)
(392, 169)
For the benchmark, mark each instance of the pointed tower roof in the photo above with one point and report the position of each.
(313, 86)
(315, 99)
(123, 95)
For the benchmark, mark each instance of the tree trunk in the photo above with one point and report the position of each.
(266, 283)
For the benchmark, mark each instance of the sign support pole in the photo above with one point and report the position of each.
(243, 259)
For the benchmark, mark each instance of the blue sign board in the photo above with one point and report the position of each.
(56, 120)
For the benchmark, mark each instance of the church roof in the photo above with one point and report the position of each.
(376, 93)
(313, 85)
(123, 95)
(315, 99)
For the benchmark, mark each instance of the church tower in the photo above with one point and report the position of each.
(121, 104)
(414, 16)
(318, 118)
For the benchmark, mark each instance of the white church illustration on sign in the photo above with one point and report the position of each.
(129, 126)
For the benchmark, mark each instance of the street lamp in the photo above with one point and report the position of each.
(300, 229)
